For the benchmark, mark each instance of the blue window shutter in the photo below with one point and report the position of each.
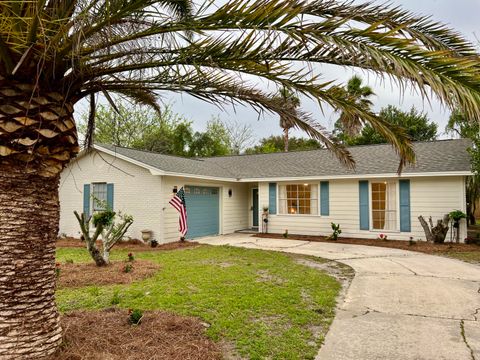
(324, 198)
(86, 199)
(110, 196)
(272, 198)
(364, 205)
(405, 222)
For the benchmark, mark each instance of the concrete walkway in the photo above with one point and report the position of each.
(400, 305)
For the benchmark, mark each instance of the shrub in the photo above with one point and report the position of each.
(153, 243)
(285, 234)
(128, 268)
(58, 270)
(336, 231)
(457, 215)
(131, 257)
(135, 316)
(411, 241)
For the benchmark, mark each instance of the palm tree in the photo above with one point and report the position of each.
(53, 53)
(291, 102)
(349, 125)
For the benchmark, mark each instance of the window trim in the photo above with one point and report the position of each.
(397, 206)
(312, 184)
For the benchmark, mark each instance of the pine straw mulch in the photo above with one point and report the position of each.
(420, 246)
(134, 244)
(106, 335)
(86, 274)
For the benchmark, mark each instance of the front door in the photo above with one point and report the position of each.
(255, 207)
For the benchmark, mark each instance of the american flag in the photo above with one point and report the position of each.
(178, 202)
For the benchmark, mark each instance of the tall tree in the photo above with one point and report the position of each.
(416, 125)
(459, 125)
(291, 102)
(55, 52)
(349, 125)
(276, 144)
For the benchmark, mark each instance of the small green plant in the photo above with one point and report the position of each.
(115, 298)
(131, 257)
(336, 231)
(58, 270)
(135, 316)
(457, 215)
(69, 261)
(411, 242)
(128, 268)
(153, 243)
(285, 234)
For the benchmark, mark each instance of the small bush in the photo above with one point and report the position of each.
(153, 243)
(131, 257)
(411, 242)
(285, 234)
(104, 218)
(336, 231)
(128, 268)
(135, 316)
(58, 270)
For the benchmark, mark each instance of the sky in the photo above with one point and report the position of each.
(461, 15)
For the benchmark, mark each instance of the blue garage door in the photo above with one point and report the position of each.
(202, 211)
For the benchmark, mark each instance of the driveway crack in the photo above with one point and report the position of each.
(462, 332)
(404, 266)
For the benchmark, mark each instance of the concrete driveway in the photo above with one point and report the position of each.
(400, 305)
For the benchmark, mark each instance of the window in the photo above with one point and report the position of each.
(99, 196)
(298, 199)
(384, 205)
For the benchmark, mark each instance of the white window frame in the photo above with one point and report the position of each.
(397, 206)
(317, 199)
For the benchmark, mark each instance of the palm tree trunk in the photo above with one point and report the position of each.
(285, 138)
(29, 216)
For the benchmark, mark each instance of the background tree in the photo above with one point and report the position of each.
(215, 141)
(416, 125)
(291, 102)
(123, 125)
(241, 136)
(349, 125)
(54, 53)
(459, 125)
(276, 144)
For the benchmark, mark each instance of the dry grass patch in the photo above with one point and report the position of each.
(101, 335)
(87, 274)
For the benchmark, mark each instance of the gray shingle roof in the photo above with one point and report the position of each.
(436, 156)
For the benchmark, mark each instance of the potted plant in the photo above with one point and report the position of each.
(146, 235)
(456, 216)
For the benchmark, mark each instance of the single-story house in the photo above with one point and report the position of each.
(304, 191)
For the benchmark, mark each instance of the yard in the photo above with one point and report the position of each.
(253, 304)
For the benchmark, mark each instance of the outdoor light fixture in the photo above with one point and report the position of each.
(230, 192)
(174, 189)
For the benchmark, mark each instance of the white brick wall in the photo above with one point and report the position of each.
(136, 192)
(428, 197)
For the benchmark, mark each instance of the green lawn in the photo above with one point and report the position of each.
(264, 303)
(468, 256)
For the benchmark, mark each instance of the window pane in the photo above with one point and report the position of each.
(99, 194)
(384, 205)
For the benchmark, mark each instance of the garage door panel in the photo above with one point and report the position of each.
(202, 211)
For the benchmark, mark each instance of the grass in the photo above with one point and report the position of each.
(263, 303)
(468, 256)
